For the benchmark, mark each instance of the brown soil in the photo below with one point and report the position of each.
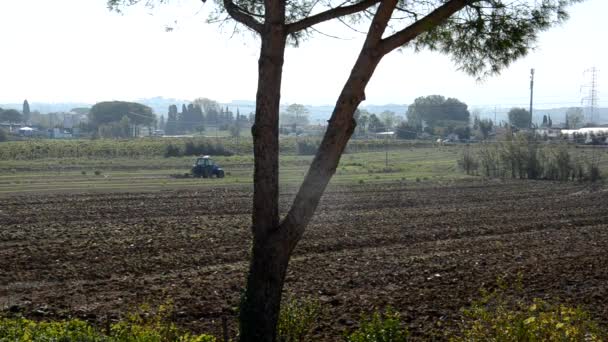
(425, 250)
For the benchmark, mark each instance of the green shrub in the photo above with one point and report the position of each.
(172, 151)
(468, 163)
(297, 319)
(138, 327)
(307, 147)
(21, 329)
(498, 317)
(380, 327)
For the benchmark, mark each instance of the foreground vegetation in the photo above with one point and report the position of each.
(139, 326)
(494, 317)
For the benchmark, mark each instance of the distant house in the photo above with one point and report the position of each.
(26, 131)
(389, 134)
(586, 131)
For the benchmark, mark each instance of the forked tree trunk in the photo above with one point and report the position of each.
(273, 242)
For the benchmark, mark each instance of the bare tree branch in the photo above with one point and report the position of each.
(242, 16)
(432, 19)
(330, 14)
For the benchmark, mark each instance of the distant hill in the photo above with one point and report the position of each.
(44, 107)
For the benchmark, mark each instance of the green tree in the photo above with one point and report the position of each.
(519, 117)
(485, 127)
(389, 119)
(296, 115)
(116, 129)
(482, 36)
(574, 117)
(361, 117)
(437, 112)
(375, 124)
(26, 111)
(171, 125)
(406, 131)
(211, 110)
(11, 116)
(114, 111)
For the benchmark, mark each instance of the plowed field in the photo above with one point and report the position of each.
(424, 249)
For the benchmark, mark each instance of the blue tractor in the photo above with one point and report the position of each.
(206, 168)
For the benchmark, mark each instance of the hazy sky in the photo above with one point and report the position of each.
(78, 51)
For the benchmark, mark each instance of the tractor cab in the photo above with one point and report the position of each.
(206, 168)
(204, 161)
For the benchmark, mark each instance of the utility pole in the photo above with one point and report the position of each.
(386, 146)
(531, 94)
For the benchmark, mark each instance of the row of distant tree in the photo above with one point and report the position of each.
(441, 116)
(434, 114)
(200, 114)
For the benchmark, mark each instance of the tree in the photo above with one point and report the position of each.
(210, 110)
(574, 117)
(161, 124)
(437, 111)
(482, 36)
(406, 131)
(191, 118)
(3, 135)
(485, 127)
(388, 119)
(116, 129)
(171, 125)
(11, 116)
(361, 117)
(375, 124)
(545, 121)
(519, 117)
(26, 111)
(295, 115)
(114, 111)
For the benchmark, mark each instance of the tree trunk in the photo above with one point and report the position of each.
(274, 242)
(261, 304)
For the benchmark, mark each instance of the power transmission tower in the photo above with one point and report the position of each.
(590, 101)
